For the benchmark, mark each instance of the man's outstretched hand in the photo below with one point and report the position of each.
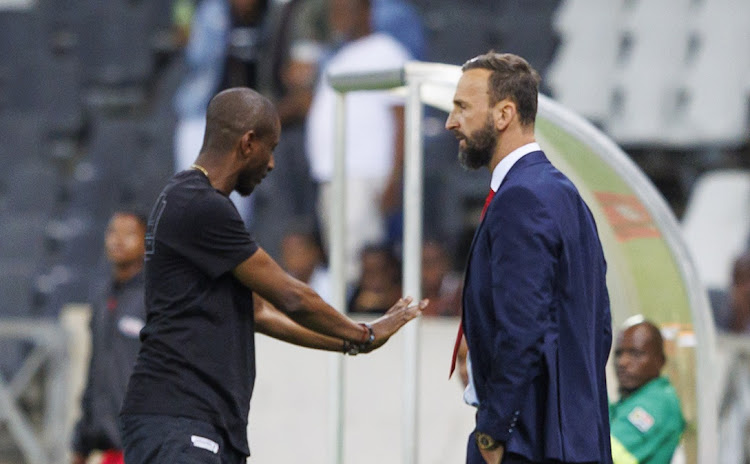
(395, 318)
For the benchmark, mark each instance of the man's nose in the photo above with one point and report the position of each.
(271, 163)
(451, 123)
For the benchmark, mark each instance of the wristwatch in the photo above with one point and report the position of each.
(486, 442)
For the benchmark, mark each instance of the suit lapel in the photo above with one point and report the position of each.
(531, 158)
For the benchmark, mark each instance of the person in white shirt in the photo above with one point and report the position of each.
(374, 130)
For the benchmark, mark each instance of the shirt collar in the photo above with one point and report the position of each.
(502, 168)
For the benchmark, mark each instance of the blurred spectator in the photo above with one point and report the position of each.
(374, 129)
(736, 317)
(182, 16)
(302, 257)
(227, 47)
(401, 20)
(118, 314)
(272, 47)
(439, 283)
(380, 282)
(647, 422)
(227, 39)
(290, 192)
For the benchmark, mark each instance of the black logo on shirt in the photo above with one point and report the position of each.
(153, 224)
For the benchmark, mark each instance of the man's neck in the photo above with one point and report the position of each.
(219, 177)
(625, 393)
(124, 272)
(505, 146)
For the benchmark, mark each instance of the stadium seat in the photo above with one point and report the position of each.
(152, 166)
(716, 224)
(16, 302)
(34, 78)
(23, 238)
(115, 53)
(651, 61)
(94, 190)
(159, 13)
(33, 187)
(62, 107)
(16, 289)
(717, 78)
(581, 73)
(116, 142)
(455, 35)
(22, 140)
(20, 35)
(525, 28)
(75, 237)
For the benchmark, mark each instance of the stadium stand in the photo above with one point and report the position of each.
(23, 238)
(649, 72)
(649, 63)
(89, 98)
(33, 187)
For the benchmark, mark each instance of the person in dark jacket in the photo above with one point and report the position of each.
(116, 321)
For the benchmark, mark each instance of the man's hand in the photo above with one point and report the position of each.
(395, 318)
(493, 457)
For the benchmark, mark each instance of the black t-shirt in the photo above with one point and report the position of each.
(197, 357)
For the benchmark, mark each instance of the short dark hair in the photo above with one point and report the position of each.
(512, 77)
(234, 111)
(136, 213)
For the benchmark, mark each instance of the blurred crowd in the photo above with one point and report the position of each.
(128, 111)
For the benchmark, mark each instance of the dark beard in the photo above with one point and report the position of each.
(245, 185)
(244, 191)
(479, 147)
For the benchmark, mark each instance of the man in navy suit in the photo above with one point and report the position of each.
(536, 312)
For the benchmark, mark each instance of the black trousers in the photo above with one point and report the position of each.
(154, 439)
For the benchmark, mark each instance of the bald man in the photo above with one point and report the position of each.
(207, 284)
(646, 423)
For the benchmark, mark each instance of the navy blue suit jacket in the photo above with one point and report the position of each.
(537, 319)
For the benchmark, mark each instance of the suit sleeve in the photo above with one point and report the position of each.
(524, 242)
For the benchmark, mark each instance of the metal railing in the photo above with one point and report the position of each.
(45, 361)
(734, 390)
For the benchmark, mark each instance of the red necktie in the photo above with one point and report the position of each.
(112, 457)
(460, 333)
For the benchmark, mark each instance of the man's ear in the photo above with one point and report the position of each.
(247, 142)
(503, 113)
